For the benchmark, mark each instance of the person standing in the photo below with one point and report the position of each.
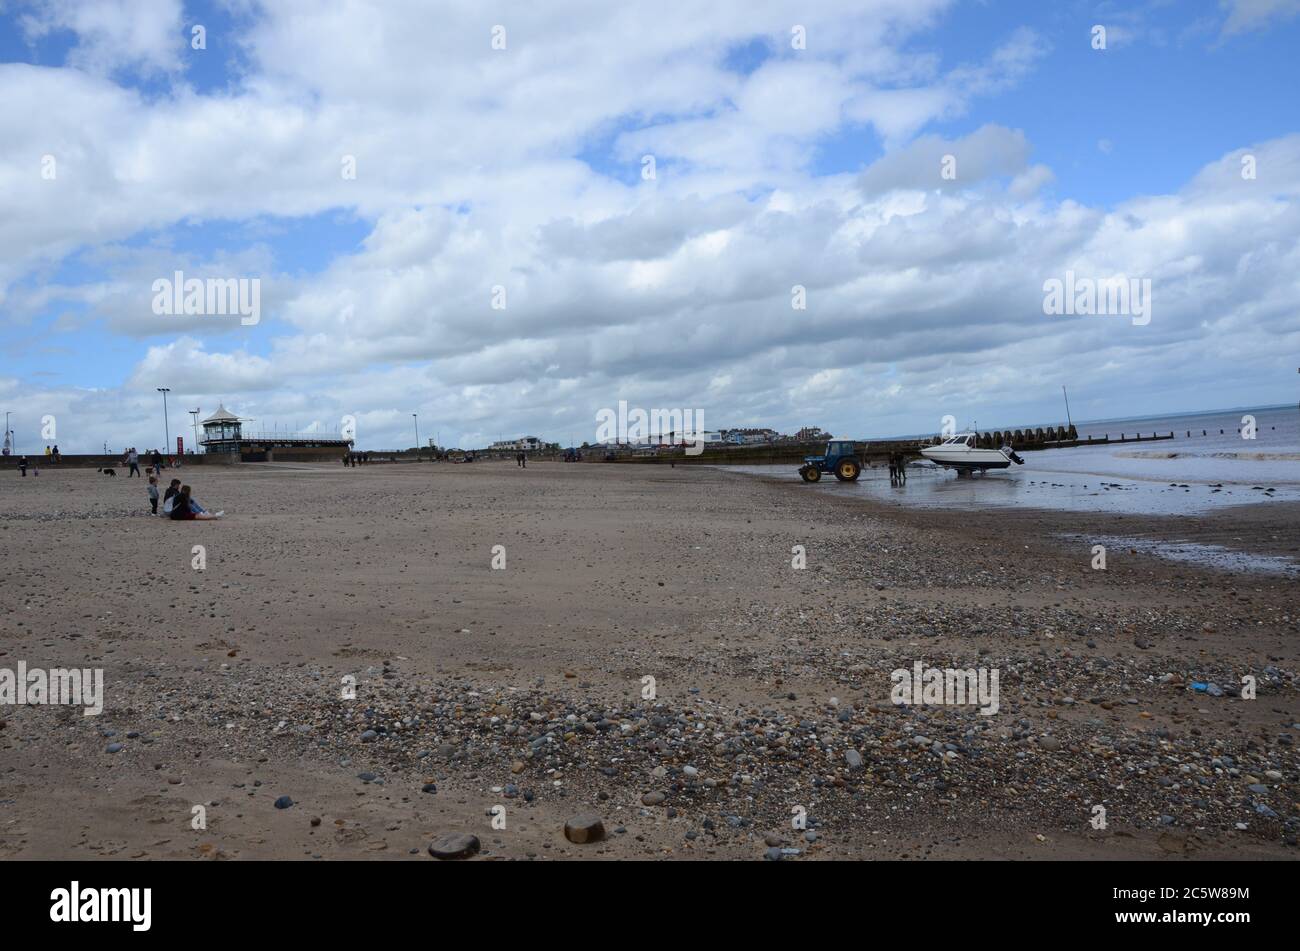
(157, 462)
(153, 494)
(133, 460)
(56, 453)
(22, 465)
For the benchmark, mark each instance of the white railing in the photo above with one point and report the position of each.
(274, 436)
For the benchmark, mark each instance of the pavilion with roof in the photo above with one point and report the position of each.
(223, 432)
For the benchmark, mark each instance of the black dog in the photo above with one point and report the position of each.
(108, 472)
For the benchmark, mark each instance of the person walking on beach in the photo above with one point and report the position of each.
(157, 462)
(902, 468)
(133, 460)
(22, 465)
(153, 494)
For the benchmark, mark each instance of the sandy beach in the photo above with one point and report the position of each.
(517, 694)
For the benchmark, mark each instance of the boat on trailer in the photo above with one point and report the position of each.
(963, 453)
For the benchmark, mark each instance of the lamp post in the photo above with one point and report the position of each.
(167, 430)
(416, 417)
(194, 416)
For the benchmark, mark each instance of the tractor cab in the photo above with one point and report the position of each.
(841, 458)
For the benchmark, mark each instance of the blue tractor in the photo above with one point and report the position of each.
(841, 458)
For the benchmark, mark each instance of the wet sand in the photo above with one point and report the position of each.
(522, 688)
(1037, 487)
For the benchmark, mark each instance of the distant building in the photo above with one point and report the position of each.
(524, 443)
(748, 437)
(223, 431)
(812, 434)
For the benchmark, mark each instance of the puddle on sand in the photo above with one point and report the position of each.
(1208, 556)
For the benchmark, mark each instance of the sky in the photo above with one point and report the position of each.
(505, 217)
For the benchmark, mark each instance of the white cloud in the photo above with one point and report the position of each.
(672, 292)
(112, 35)
(1247, 15)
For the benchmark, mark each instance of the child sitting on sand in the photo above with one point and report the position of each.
(153, 494)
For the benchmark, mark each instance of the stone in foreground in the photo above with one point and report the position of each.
(455, 845)
(583, 829)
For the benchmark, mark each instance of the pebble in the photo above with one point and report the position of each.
(455, 845)
(584, 828)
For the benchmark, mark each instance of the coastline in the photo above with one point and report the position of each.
(497, 686)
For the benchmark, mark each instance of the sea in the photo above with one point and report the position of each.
(1208, 464)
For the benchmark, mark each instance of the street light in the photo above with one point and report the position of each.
(194, 415)
(416, 417)
(167, 430)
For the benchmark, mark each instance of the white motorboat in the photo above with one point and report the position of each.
(962, 452)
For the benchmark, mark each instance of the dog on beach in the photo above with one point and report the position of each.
(107, 472)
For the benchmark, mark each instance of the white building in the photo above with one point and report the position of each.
(524, 443)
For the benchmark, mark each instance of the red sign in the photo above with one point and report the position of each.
(180, 445)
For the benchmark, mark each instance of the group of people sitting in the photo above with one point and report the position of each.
(178, 503)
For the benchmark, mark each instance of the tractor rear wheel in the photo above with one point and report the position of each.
(811, 474)
(848, 470)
